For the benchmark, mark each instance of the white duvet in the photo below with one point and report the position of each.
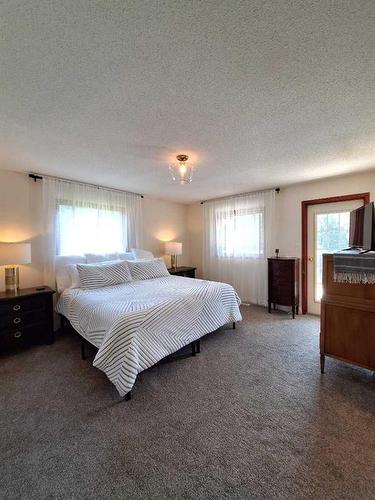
(134, 325)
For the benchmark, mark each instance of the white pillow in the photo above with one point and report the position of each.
(67, 277)
(63, 271)
(138, 253)
(74, 276)
(105, 274)
(148, 269)
(101, 257)
(125, 256)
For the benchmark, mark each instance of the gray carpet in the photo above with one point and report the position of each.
(250, 417)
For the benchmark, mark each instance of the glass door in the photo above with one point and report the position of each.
(328, 230)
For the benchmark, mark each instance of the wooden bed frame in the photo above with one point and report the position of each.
(195, 345)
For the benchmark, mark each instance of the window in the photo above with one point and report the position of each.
(240, 233)
(89, 229)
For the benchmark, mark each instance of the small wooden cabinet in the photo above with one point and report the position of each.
(347, 320)
(26, 317)
(187, 272)
(283, 283)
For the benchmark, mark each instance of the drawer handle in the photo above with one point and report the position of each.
(17, 335)
(17, 307)
(16, 321)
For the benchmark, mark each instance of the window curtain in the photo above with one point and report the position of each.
(238, 238)
(80, 218)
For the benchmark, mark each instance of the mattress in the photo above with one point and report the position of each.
(134, 325)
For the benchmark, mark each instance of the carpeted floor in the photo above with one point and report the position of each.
(250, 417)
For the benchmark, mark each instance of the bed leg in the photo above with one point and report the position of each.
(198, 346)
(322, 361)
(128, 396)
(234, 325)
(63, 323)
(83, 354)
(193, 351)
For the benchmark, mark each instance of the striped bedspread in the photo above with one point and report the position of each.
(134, 325)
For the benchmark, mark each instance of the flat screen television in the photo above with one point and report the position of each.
(361, 231)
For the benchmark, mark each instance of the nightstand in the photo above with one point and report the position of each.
(283, 282)
(26, 317)
(188, 272)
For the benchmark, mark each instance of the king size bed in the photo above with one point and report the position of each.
(134, 324)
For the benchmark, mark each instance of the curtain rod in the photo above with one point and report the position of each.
(240, 194)
(37, 177)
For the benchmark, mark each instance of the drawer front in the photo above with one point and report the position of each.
(349, 334)
(18, 320)
(281, 274)
(21, 305)
(282, 295)
(22, 337)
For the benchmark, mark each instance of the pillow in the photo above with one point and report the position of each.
(142, 254)
(106, 274)
(147, 269)
(63, 270)
(101, 257)
(74, 276)
(125, 256)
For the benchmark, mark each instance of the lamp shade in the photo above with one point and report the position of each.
(15, 253)
(173, 248)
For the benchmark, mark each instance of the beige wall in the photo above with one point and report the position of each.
(20, 220)
(195, 229)
(289, 205)
(288, 228)
(165, 221)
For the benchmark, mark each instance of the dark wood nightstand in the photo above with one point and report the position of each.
(26, 317)
(188, 272)
(283, 282)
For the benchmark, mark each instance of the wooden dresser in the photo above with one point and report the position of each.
(26, 317)
(347, 321)
(283, 282)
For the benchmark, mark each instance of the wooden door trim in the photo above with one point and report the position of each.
(365, 197)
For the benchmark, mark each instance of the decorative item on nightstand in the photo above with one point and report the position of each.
(173, 248)
(11, 255)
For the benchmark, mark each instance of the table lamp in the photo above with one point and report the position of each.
(11, 255)
(173, 248)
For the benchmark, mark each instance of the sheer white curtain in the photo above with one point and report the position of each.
(238, 238)
(80, 218)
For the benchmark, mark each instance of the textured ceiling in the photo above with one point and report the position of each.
(259, 93)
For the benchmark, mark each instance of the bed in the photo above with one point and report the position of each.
(136, 324)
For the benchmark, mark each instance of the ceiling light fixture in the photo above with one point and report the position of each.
(181, 172)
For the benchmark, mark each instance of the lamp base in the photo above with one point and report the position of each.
(173, 261)
(12, 279)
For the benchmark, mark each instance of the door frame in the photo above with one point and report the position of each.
(365, 197)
